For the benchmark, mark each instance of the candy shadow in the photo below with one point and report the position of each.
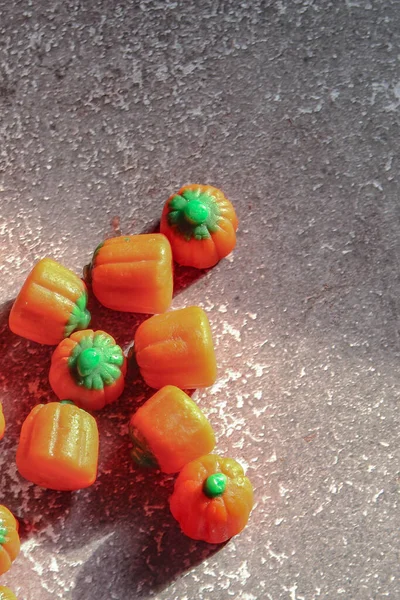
(120, 530)
(153, 227)
(184, 277)
(148, 549)
(121, 325)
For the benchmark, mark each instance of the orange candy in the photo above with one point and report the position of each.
(9, 539)
(176, 348)
(88, 368)
(169, 431)
(58, 447)
(133, 273)
(200, 224)
(6, 594)
(51, 304)
(212, 499)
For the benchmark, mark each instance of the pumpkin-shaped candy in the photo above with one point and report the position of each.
(51, 304)
(169, 430)
(176, 348)
(6, 593)
(200, 224)
(59, 447)
(133, 273)
(9, 539)
(212, 499)
(88, 368)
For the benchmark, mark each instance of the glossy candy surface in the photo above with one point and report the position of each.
(88, 368)
(212, 499)
(58, 447)
(200, 224)
(133, 273)
(170, 430)
(51, 304)
(176, 348)
(9, 539)
(6, 594)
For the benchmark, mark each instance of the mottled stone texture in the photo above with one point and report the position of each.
(292, 108)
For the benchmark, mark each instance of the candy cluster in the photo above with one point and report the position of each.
(59, 442)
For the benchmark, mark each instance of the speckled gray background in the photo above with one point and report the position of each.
(292, 108)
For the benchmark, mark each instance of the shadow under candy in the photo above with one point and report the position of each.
(141, 546)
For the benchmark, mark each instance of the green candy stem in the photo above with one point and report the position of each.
(215, 485)
(87, 361)
(80, 316)
(196, 212)
(67, 402)
(141, 453)
(96, 361)
(3, 535)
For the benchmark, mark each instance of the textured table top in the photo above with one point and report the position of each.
(292, 108)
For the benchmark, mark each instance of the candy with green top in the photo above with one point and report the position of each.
(9, 539)
(51, 304)
(169, 430)
(88, 368)
(132, 273)
(200, 224)
(212, 499)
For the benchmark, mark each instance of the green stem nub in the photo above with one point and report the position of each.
(96, 361)
(87, 361)
(3, 535)
(141, 453)
(215, 485)
(67, 402)
(196, 212)
(194, 215)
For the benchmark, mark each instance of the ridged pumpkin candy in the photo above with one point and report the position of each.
(88, 368)
(176, 348)
(59, 447)
(201, 225)
(212, 499)
(9, 539)
(133, 273)
(51, 304)
(169, 430)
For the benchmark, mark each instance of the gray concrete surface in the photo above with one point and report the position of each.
(292, 108)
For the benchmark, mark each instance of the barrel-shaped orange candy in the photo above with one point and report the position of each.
(2, 422)
(88, 368)
(200, 224)
(58, 447)
(9, 539)
(51, 304)
(6, 593)
(170, 430)
(212, 499)
(133, 273)
(176, 348)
